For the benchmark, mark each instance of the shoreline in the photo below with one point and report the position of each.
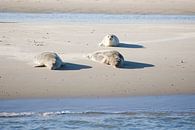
(94, 97)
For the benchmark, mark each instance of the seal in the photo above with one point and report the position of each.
(110, 40)
(48, 59)
(109, 57)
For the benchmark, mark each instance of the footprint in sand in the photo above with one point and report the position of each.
(38, 43)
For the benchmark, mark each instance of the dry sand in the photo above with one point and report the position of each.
(160, 60)
(100, 6)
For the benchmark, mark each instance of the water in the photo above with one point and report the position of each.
(136, 113)
(94, 18)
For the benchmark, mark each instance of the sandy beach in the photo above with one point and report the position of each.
(100, 6)
(159, 57)
(160, 60)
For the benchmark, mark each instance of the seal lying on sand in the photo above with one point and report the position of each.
(108, 57)
(110, 40)
(48, 59)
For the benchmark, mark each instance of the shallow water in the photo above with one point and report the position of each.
(149, 112)
(95, 18)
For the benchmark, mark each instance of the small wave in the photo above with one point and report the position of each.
(28, 114)
(14, 114)
(86, 113)
(55, 113)
(75, 113)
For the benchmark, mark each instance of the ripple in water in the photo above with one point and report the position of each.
(136, 113)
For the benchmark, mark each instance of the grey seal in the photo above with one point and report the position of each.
(109, 40)
(109, 57)
(48, 59)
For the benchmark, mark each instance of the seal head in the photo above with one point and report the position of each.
(110, 40)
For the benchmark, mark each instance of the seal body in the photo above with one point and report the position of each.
(110, 40)
(48, 59)
(109, 57)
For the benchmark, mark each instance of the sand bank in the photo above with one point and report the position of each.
(160, 60)
(100, 6)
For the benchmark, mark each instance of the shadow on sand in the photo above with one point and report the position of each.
(72, 66)
(135, 65)
(125, 45)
